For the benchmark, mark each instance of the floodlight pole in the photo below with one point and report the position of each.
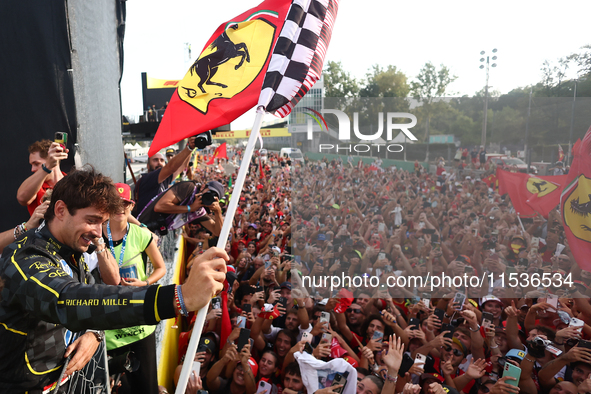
(572, 123)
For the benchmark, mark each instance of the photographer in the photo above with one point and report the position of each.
(184, 202)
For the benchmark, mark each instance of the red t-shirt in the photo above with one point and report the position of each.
(32, 206)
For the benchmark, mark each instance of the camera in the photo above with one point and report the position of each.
(208, 198)
(537, 346)
(214, 189)
(202, 140)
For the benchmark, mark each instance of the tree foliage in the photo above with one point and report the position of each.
(338, 82)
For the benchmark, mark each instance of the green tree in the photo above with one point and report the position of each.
(338, 82)
(388, 82)
(430, 84)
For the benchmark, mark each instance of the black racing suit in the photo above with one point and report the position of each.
(48, 297)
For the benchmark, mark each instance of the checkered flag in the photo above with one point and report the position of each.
(296, 63)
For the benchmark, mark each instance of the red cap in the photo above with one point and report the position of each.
(124, 191)
(259, 186)
(351, 361)
(254, 367)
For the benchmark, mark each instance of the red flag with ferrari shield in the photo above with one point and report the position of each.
(226, 80)
(575, 204)
(220, 153)
(531, 194)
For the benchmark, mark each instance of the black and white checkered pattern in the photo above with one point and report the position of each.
(296, 63)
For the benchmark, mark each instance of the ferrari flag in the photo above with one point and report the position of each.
(226, 80)
(575, 204)
(530, 193)
(298, 56)
(491, 181)
(220, 153)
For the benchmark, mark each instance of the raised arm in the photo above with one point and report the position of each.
(177, 161)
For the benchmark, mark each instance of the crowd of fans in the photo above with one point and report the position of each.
(282, 326)
(365, 221)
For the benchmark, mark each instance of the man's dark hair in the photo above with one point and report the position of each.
(40, 146)
(369, 319)
(547, 331)
(363, 371)
(293, 369)
(292, 311)
(82, 189)
(292, 337)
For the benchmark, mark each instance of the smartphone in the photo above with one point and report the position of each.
(426, 301)
(420, 359)
(450, 328)
(415, 323)
(324, 317)
(381, 227)
(459, 298)
(579, 324)
(283, 301)
(196, 368)
(339, 379)
(243, 338)
(552, 299)
(381, 256)
(421, 225)
(429, 231)
(378, 336)
(216, 303)
(247, 308)
(407, 363)
(264, 386)
(308, 348)
(475, 232)
(267, 262)
(440, 313)
(61, 138)
(241, 321)
(513, 371)
(388, 268)
(326, 337)
(487, 319)
(306, 336)
(468, 269)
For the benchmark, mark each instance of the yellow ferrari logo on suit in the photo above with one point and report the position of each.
(227, 66)
(540, 187)
(577, 210)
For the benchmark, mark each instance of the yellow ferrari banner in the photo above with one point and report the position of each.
(155, 83)
(265, 133)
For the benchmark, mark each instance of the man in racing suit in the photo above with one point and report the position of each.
(48, 302)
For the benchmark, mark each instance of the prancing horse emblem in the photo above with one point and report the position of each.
(207, 66)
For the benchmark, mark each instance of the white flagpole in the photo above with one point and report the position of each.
(228, 220)
(520, 222)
